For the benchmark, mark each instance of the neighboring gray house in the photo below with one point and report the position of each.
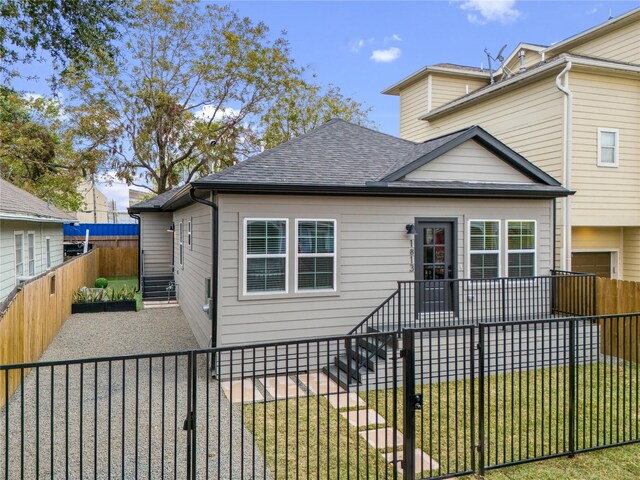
(30, 236)
(307, 238)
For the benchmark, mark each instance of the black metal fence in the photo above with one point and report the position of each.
(434, 402)
(447, 302)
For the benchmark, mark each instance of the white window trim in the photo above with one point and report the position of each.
(470, 252)
(284, 255)
(189, 241)
(47, 250)
(535, 245)
(334, 255)
(616, 149)
(181, 243)
(29, 259)
(15, 257)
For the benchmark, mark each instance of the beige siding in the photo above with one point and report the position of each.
(528, 119)
(631, 258)
(155, 242)
(196, 267)
(373, 254)
(621, 45)
(447, 88)
(414, 102)
(7, 250)
(469, 162)
(605, 196)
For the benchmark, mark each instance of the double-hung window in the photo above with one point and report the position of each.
(265, 255)
(521, 248)
(181, 243)
(48, 247)
(315, 255)
(484, 248)
(608, 147)
(31, 252)
(19, 253)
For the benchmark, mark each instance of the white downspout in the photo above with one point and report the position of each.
(562, 82)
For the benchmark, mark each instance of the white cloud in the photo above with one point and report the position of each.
(484, 11)
(387, 55)
(356, 45)
(392, 38)
(207, 111)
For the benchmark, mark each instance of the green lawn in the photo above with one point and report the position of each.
(531, 425)
(119, 282)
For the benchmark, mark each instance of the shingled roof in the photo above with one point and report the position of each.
(341, 157)
(16, 203)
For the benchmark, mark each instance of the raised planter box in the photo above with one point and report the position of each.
(112, 306)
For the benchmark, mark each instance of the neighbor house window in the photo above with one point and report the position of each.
(608, 147)
(181, 243)
(189, 233)
(48, 248)
(484, 248)
(265, 255)
(31, 252)
(316, 255)
(19, 251)
(521, 248)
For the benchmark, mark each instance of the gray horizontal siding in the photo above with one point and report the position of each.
(156, 242)
(190, 276)
(373, 254)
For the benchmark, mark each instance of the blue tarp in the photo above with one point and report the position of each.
(102, 230)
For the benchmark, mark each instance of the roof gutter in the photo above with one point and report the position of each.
(212, 307)
(33, 218)
(140, 266)
(562, 83)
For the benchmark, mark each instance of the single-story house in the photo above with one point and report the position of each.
(307, 238)
(30, 236)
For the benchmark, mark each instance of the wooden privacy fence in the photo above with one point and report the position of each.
(620, 337)
(37, 312)
(118, 262)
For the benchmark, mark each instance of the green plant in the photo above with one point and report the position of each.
(126, 293)
(101, 282)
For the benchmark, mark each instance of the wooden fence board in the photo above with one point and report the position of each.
(36, 314)
(118, 262)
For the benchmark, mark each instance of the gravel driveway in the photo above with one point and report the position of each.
(122, 418)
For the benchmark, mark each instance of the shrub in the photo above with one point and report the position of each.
(101, 283)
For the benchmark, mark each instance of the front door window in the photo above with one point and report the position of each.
(434, 258)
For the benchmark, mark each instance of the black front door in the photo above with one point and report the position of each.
(434, 259)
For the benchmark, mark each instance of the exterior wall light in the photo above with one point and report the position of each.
(411, 230)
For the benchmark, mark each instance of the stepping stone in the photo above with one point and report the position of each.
(382, 438)
(423, 462)
(363, 418)
(282, 386)
(320, 384)
(238, 391)
(345, 400)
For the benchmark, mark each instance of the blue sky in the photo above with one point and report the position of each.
(366, 46)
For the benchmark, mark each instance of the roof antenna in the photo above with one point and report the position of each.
(498, 58)
(610, 14)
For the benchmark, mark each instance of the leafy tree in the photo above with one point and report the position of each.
(305, 106)
(78, 32)
(191, 94)
(35, 152)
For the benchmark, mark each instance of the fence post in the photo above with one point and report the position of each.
(481, 399)
(504, 299)
(408, 404)
(595, 297)
(572, 388)
(473, 347)
(399, 309)
(188, 422)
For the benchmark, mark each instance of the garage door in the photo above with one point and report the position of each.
(592, 262)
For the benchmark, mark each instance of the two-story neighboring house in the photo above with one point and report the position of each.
(572, 108)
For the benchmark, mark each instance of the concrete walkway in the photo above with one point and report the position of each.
(122, 418)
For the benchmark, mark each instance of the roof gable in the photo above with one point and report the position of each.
(468, 162)
(436, 148)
